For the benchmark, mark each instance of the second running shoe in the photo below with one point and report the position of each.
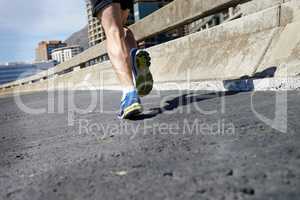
(141, 62)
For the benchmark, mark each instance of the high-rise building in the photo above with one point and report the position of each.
(44, 49)
(65, 53)
(142, 8)
(95, 31)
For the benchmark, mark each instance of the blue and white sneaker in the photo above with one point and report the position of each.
(130, 106)
(143, 79)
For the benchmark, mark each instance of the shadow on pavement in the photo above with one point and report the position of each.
(182, 100)
(243, 84)
(246, 83)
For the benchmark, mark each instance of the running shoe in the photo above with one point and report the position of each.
(143, 79)
(130, 106)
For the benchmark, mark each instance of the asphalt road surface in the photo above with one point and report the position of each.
(187, 145)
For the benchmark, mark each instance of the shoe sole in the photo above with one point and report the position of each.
(143, 75)
(132, 111)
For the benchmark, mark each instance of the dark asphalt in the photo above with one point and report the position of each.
(174, 151)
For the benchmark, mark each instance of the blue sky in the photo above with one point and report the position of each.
(23, 23)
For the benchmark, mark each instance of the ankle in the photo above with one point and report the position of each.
(127, 90)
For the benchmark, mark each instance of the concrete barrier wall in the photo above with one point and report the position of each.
(254, 6)
(227, 51)
(284, 52)
(96, 77)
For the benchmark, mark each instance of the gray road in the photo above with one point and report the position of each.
(186, 146)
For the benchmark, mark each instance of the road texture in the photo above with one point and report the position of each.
(187, 145)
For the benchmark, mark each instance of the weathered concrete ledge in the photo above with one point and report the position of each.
(228, 51)
(266, 84)
(178, 13)
(284, 51)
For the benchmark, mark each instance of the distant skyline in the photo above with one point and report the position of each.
(25, 23)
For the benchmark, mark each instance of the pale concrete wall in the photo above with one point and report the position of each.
(95, 77)
(254, 6)
(284, 52)
(227, 51)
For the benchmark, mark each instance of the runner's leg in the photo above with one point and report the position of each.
(117, 47)
(142, 74)
(129, 36)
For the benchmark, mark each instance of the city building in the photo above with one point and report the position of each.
(44, 49)
(13, 71)
(142, 8)
(95, 30)
(65, 53)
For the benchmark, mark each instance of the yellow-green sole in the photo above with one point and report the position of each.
(132, 111)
